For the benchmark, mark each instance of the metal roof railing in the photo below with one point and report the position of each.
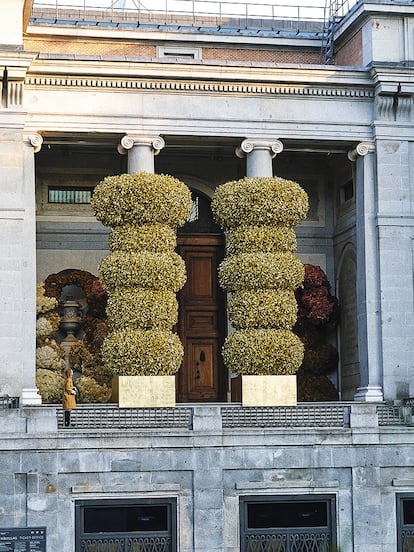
(260, 14)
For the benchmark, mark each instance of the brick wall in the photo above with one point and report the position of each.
(272, 56)
(89, 47)
(350, 53)
(140, 49)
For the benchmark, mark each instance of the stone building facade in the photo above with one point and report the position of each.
(83, 98)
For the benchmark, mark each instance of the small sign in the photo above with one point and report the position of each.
(23, 539)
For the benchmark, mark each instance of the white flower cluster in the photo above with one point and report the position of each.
(262, 271)
(142, 272)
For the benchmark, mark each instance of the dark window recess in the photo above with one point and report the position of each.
(348, 191)
(405, 522)
(121, 519)
(70, 195)
(291, 514)
(288, 523)
(126, 525)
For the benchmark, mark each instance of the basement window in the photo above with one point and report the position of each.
(288, 523)
(125, 525)
(405, 522)
(70, 195)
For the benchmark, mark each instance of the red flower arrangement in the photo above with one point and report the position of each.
(317, 313)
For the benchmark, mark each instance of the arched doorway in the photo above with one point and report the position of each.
(202, 311)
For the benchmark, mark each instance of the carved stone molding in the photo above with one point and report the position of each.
(156, 143)
(36, 140)
(201, 86)
(250, 144)
(394, 107)
(362, 149)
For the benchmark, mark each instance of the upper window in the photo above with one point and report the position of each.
(288, 523)
(125, 525)
(178, 52)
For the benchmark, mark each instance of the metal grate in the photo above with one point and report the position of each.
(289, 541)
(294, 416)
(391, 415)
(144, 544)
(125, 418)
(8, 402)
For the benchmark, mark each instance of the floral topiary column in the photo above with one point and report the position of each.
(261, 271)
(142, 273)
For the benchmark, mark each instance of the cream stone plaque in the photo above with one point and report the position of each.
(144, 391)
(268, 390)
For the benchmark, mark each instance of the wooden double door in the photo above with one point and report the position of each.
(202, 320)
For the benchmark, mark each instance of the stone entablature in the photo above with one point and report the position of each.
(201, 86)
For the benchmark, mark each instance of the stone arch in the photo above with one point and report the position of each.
(349, 378)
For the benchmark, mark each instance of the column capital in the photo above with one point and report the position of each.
(35, 139)
(156, 143)
(362, 149)
(249, 144)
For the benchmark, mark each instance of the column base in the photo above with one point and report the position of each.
(30, 397)
(370, 393)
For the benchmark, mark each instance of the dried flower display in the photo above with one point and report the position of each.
(142, 309)
(50, 385)
(84, 355)
(151, 270)
(262, 271)
(151, 237)
(140, 199)
(264, 308)
(263, 352)
(259, 201)
(317, 317)
(142, 272)
(265, 239)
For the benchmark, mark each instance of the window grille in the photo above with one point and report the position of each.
(126, 525)
(70, 195)
(288, 524)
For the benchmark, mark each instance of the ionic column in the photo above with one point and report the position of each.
(29, 393)
(368, 287)
(141, 151)
(259, 154)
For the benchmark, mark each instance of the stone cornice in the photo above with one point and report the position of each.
(125, 68)
(199, 86)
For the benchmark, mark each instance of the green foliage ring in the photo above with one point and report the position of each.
(252, 271)
(142, 309)
(267, 239)
(263, 352)
(162, 271)
(132, 352)
(259, 201)
(266, 308)
(141, 198)
(149, 237)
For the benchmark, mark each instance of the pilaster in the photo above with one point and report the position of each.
(368, 289)
(259, 154)
(141, 151)
(29, 394)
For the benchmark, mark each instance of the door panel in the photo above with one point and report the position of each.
(202, 321)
